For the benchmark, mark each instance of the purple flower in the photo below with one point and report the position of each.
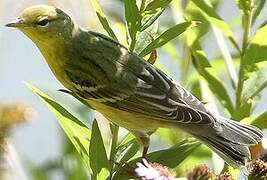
(153, 171)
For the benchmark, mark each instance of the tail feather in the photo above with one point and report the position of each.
(234, 154)
(240, 133)
(230, 139)
(251, 130)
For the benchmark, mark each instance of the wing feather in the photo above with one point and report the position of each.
(137, 86)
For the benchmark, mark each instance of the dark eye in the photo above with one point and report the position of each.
(43, 22)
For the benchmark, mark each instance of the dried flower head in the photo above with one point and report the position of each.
(153, 171)
(202, 172)
(13, 114)
(258, 170)
(225, 176)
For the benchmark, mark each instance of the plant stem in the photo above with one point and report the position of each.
(247, 19)
(132, 45)
(142, 6)
(247, 27)
(113, 148)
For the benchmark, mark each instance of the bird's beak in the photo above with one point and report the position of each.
(16, 23)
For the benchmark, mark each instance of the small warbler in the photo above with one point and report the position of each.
(125, 88)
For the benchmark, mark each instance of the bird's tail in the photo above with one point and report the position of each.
(231, 140)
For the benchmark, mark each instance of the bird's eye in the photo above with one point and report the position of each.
(43, 22)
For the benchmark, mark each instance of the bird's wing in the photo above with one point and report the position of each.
(162, 98)
(139, 87)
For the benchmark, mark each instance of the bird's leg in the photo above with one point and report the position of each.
(145, 141)
(144, 137)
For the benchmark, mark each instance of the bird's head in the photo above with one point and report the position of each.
(44, 23)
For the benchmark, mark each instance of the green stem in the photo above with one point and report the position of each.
(142, 6)
(132, 45)
(247, 19)
(113, 148)
(247, 28)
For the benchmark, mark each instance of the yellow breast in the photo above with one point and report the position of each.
(130, 121)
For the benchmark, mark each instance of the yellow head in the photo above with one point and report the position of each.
(44, 23)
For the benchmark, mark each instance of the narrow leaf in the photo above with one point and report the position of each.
(103, 20)
(128, 137)
(153, 6)
(146, 37)
(256, 83)
(259, 4)
(261, 121)
(256, 52)
(149, 19)
(211, 15)
(78, 133)
(128, 151)
(77, 97)
(97, 153)
(204, 68)
(127, 148)
(173, 156)
(132, 17)
(152, 11)
(253, 65)
(98, 157)
(166, 36)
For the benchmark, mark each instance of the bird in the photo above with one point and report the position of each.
(125, 88)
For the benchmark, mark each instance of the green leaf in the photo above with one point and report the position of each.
(103, 20)
(127, 151)
(155, 5)
(98, 157)
(78, 133)
(127, 148)
(82, 100)
(253, 65)
(261, 121)
(166, 36)
(204, 68)
(256, 83)
(149, 19)
(133, 18)
(170, 157)
(152, 11)
(255, 53)
(174, 155)
(210, 14)
(259, 4)
(146, 37)
(128, 137)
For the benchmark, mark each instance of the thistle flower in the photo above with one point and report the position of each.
(201, 172)
(153, 171)
(258, 170)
